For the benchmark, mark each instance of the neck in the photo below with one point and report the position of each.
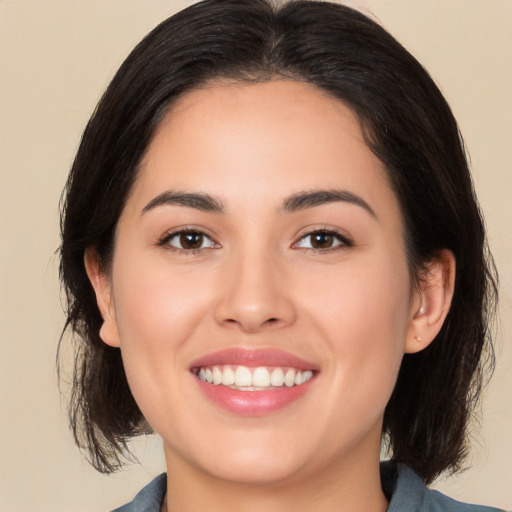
(352, 484)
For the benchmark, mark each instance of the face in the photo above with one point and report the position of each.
(261, 243)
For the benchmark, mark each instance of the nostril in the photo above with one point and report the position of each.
(246, 324)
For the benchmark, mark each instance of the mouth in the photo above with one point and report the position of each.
(253, 382)
(261, 378)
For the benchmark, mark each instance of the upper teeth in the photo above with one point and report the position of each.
(260, 377)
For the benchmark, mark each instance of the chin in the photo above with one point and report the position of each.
(249, 458)
(255, 468)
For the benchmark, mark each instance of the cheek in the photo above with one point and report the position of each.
(153, 300)
(157, 313)
(367, 300)
(150, 308)
(364, 318)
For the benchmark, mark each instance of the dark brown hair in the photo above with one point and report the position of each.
(407, 124)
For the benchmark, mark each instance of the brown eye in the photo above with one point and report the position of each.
(188, 240)
(322, 240)
(191, 240)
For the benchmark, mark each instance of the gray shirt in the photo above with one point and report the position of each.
(403, 487)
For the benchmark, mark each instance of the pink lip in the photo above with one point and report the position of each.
(253, 403)
(254, 357)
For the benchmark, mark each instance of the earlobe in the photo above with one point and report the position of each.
(100, 281)
(432, 302)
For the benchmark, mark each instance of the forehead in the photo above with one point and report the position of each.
(261, 141)
(281, 117)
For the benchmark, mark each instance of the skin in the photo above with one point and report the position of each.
(351, 309)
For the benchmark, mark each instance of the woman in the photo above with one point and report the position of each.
(274, 258)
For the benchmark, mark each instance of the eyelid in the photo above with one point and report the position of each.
(344, 239)
(163, 241)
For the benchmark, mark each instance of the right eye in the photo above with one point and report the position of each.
(188, 241)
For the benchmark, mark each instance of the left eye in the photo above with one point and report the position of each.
(189, 241)
(322, 240)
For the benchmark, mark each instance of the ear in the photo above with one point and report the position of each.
(103, 288)
(432, 301)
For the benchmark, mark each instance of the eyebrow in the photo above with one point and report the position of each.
(197, 200)
(296, 202)
(310, 199)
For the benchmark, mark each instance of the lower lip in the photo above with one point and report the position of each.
(253, 403)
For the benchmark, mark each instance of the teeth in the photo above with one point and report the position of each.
(307, 375)
(261, 377)
(276, 377)
(289, 378)
(217, 376)
(228, 376)
(243, 376)
(253, 379)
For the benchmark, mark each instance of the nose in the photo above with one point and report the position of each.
(255, 296)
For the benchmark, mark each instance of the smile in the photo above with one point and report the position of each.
(254, 382)
(245, 378)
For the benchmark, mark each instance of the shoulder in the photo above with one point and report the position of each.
(149, 498)
(408, 493)
(403, 486)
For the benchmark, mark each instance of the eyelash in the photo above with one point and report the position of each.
(165, 241)
(342, 239)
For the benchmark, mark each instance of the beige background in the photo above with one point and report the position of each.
(56, 58)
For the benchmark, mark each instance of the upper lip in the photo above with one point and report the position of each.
(254, 357)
